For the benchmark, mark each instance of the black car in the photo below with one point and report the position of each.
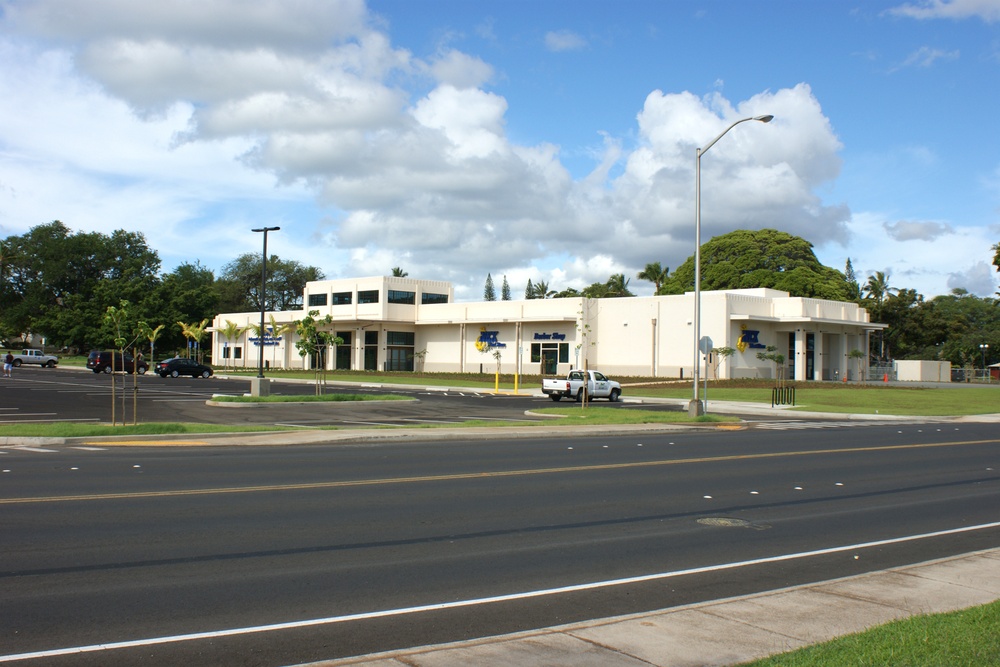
(104, 361)
(182, 366)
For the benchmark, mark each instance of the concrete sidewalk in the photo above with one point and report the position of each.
(726, 632)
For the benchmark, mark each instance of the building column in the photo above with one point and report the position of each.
(818, 354)
(800, 355)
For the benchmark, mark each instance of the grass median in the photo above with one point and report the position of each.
(967, 638)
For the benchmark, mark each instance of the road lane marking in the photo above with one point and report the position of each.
(474, 602)
(304, 486)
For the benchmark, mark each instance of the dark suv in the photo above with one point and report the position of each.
(101, 362)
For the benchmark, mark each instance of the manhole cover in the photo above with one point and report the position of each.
(729, 522)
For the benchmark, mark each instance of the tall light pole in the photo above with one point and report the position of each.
(983, 347)
(696, 407)
(263, 291)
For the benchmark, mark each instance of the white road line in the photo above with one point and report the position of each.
(41, 450)
(89, 449)
(330, 620)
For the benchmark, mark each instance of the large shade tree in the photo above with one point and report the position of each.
(764, 258)
(59, 284)
(239, 284)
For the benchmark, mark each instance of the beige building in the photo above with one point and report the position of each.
(403, 324)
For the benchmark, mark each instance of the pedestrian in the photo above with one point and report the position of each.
(8, 364)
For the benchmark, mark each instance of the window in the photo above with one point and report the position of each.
(427, 297)
(399, 338)
(371, 338)
(317, 299)
(396, 296)
(368, 296)
(341, 298)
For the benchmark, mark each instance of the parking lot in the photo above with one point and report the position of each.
(42, 395)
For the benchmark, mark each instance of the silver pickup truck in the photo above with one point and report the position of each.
(35, 357)
(598, 386)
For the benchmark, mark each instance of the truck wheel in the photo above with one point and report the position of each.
(50, 364)
(16, 363)
(107, 369)
(555, 397)
(614, 396)
(579, 395)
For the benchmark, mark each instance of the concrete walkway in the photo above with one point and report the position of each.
(726, 632)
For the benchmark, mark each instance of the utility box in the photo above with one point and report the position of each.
(923, 371)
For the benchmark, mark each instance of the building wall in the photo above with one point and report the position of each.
(634, 336)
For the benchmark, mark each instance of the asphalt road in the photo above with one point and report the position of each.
(283, 555)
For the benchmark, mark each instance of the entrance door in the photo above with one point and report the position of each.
(343, 359)
(550, 362)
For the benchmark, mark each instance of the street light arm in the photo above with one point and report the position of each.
(764, 119)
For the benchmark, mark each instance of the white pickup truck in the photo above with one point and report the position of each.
(598, 386)
(35, 357)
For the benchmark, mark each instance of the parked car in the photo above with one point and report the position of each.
(572, 386)
(100, 361)
(176, 366)
(35, 357)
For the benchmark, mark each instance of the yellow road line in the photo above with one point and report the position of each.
(478, 475)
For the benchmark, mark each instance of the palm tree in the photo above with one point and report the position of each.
(540, 290)
(878, 291)
(231, 332)
(277, 331)
(398, 272)
(195, 332)
(152, 335)
(655, 274)
(618, 285)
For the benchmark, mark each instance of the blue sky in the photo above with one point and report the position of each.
(545, 140)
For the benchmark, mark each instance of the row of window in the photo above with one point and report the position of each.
(371, 296)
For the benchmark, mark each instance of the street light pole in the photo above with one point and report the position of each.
(263, 290)
(983, 347)
(696, 407)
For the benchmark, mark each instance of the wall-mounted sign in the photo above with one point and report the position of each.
(748, 339)
(268, 339)
(550, 336)
(488, 340)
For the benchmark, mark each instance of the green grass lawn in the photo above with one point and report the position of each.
(870, 399)
(967, 638)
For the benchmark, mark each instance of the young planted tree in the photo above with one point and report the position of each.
(313, 341)
(116, 318)
(771, 354)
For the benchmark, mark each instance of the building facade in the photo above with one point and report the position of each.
(403, 324)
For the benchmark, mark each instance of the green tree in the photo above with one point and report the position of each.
(189, 293)
(60, 284)
(656, 274)
(398, 272)
(851, 280)
(615, 286)
(489, 292)
(239, 288)
(529, 291)
(764, 258)
(505, 289)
